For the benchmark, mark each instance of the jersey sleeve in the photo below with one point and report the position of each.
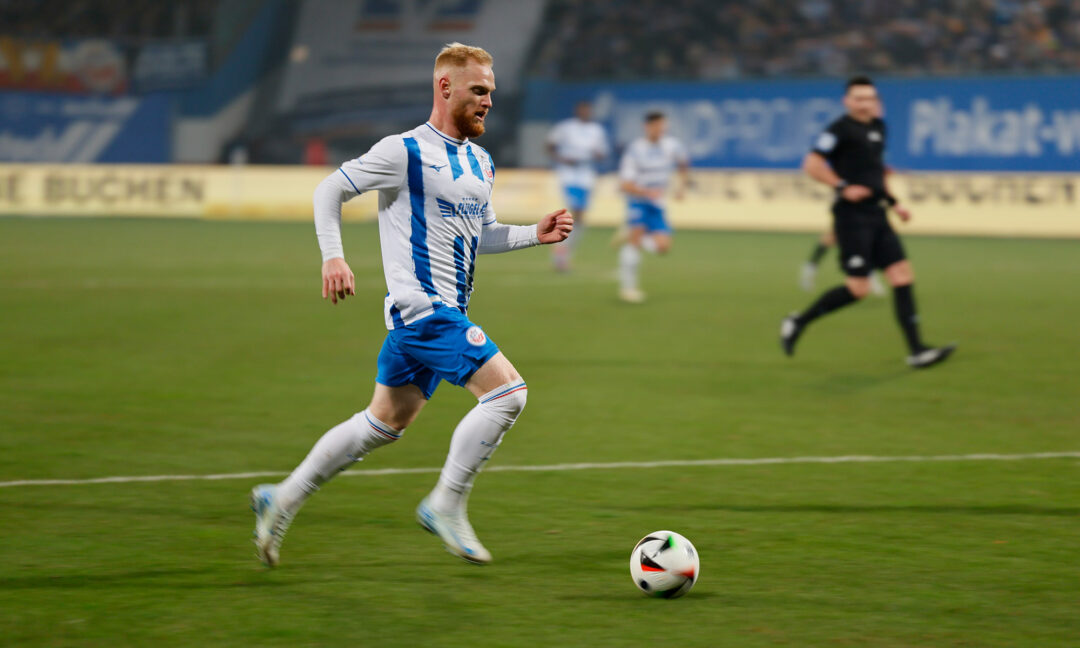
(554, 135)
(603, 147)
(381, 168)
(679, 153)
(627, 165)
(827, 142)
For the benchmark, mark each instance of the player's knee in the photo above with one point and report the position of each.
(900, 274)
(858, 286)
(396, 418)
(507, 402)
(662, 246)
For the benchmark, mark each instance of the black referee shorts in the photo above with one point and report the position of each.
(865, 244)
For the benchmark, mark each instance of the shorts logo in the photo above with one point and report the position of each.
(856, 262)
(475, 336)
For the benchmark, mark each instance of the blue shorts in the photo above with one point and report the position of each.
(577, 198)
(647, 215)
(442, 346)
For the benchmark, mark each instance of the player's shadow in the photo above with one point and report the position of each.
(855, 382)
(892, 509)
(207, 578)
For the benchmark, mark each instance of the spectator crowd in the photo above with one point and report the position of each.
(732, 39)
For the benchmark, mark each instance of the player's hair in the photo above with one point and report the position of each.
(654, 115)
(458, 55)
(861, 80)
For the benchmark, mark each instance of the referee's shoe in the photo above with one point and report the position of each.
(930, 357)
(790, 330)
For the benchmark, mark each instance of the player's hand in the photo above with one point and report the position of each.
(555, 227)
(337, 280)
(903, 212)
(657, 194)
(855, 193)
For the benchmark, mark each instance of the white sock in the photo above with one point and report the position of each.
(344, 445)
(629, 258)
(574, 239)
(648, 244)
(474, 441)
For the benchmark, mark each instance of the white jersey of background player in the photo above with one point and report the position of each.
(435, 216)
(577, 145)
(644, 175)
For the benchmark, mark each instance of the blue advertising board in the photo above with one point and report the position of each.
(42, 127)
(986, 124)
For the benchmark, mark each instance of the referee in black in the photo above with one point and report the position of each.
(849, 157)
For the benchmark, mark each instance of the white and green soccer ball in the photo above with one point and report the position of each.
(664, 564)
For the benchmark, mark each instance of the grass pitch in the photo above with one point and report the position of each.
(179, 347)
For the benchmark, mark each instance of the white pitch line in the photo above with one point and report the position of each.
(675, 463)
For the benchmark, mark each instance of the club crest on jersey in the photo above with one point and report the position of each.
(475, 336)
(874, 136)
(489, 173)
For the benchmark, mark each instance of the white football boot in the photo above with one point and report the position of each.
(631, 295)
(271, 523)
(455, 531)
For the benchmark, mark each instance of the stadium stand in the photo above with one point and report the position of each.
(709, 39)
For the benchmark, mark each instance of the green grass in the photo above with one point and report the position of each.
(147, 347)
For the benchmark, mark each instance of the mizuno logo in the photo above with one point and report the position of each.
(438, 167)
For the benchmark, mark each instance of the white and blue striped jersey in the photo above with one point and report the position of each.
(651, 164)
(435, 216)
(578, 145)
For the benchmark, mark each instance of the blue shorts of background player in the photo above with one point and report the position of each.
(647, 216)
(577, 198)
(442, 346)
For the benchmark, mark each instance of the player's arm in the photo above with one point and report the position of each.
(499, 237)
(379, 168)
(684, 177)
(817, 167)
(890, 198)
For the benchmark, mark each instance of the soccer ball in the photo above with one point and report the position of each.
(664, 564)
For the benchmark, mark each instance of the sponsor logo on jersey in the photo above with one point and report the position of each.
(467, 208)
(475, 336)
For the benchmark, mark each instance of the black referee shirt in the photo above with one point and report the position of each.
(856, 152)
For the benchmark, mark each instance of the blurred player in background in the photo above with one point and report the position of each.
(808, 271)
(435, 216)
(644, 175)
(849, 157)
(577, 145)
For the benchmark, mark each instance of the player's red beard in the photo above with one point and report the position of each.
(466, 122)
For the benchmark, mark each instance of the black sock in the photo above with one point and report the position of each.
(829, 301)
(819, 251)
(904, 301)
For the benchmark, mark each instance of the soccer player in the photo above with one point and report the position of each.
(576, 145)
(435, 216)
(644, 174)
(849, 156)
